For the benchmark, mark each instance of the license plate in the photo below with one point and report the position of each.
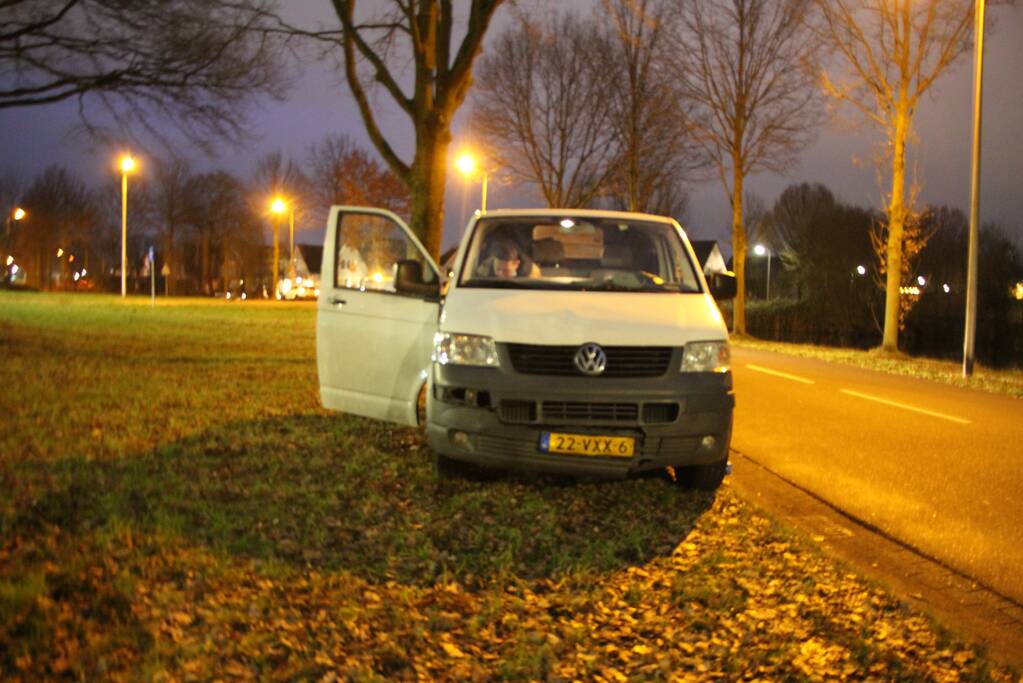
(586, 444)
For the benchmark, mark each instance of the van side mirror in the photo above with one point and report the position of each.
(409, 280)
(722, 285)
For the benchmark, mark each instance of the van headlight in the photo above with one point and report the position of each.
(464, 349)
(715, 356)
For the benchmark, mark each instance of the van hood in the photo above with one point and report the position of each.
(571, 318)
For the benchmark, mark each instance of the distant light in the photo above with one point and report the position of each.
(760, 250)
(466, 164)
(921, 281)
(77, 275)
(567, 223)
(377, 277)
(285, 286)
(946, 288)
(301, 291)
(914, 290)
(60, 252)
(10, 260)
(229, 296)
(19, 213)
(83, 272)
(278, 205)
(861, 270)
(1017, 291)
(71, 258)
(242, 282)
(317, 291)
(14, 269)
(127, 164)
(298, 280)
(244, 297)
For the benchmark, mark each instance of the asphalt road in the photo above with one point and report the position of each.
(937, 467)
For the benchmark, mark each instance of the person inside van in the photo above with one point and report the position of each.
(506, 260)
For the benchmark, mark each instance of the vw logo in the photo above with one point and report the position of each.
(590, 359)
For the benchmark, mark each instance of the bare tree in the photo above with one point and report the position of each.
(892, 52)
(656, 154)
(541, 107)
(173, 183)
(743, 65)
(278, 177)
(416, 42)
(222, 222)
(341, 172)
(191, 63)
(61, 219)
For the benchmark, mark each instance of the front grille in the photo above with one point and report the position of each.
(589, 412)
(622, 361)
(518, 411)
(525, 412)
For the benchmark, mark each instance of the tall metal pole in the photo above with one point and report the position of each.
(124, 233)
(277, 256)
(291, 240)
(483, 206)
(969, 335)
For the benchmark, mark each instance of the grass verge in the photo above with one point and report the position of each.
(178, 506)
(999, 381)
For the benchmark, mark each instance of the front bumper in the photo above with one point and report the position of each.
(495, 416)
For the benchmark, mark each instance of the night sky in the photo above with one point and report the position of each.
(31, 139)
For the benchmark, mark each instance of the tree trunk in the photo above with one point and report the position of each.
(738, 251)
(896, 223)
(169, 262)
(427, 186)
(205, 256)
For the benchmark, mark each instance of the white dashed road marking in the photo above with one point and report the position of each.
(905, 406)
(784, 375)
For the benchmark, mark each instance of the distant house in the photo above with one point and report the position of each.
(308, 260)
(710, 257)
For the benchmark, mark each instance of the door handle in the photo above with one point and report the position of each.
(337, 302)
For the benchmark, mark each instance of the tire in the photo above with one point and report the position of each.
(704, 477)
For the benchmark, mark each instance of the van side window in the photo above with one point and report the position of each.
(368, 250)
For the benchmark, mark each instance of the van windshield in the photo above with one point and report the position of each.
(576, 253)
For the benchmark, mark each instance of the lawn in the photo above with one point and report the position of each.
(177, 506)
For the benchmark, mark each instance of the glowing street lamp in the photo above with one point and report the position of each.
(127, 165)
(761, 250)
(467, 166)
(16, 215)
(279, 206)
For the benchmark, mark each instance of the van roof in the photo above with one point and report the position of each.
(580, 213)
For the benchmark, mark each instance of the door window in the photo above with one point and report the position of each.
(369, 248)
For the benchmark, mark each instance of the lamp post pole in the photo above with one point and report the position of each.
(277, 255)
(969, 335)
(483, 205)
(291, 240)
(127, 166)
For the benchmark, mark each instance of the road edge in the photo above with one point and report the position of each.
(960, 603)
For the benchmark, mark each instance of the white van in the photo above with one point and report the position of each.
(571, 341)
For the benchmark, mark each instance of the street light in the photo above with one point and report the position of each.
(16, 215)
(127, 166)
(467, 165)
(969, 333)
(760, 250)
(279, 206)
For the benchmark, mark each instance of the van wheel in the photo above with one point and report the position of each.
(703, 477)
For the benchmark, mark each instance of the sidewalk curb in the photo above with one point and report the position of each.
(957, 601)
